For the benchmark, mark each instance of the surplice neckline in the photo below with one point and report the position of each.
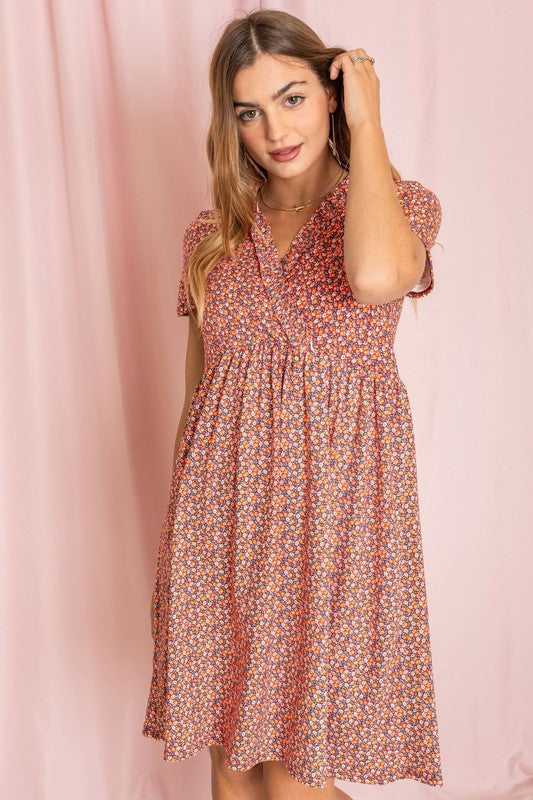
(304, 227)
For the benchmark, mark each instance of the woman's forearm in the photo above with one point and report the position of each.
(181, 426)
(179, 433)
(379, 252)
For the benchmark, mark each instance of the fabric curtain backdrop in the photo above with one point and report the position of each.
(104, 110)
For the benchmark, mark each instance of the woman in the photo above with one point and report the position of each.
(289, 611)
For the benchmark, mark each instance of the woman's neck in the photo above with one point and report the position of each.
(299, 189)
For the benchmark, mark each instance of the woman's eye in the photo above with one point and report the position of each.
(244, 118)
(295, 97)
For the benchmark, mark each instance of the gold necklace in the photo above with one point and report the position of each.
(309, 202)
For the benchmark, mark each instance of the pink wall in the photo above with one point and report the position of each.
(104, 109)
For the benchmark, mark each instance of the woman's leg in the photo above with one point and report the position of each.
(230, 784)
(280, 785)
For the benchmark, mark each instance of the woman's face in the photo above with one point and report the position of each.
(298, 116)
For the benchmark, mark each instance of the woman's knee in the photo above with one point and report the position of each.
(216, 753)
(233, 776)
(280, 785)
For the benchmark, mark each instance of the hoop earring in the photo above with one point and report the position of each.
(332, 141)
(254, 165)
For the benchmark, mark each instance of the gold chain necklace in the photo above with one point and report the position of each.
(309, 202)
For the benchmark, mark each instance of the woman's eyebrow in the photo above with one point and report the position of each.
(274, 96)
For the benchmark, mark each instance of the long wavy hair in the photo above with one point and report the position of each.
(236, 176)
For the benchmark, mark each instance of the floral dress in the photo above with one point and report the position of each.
(291, 618)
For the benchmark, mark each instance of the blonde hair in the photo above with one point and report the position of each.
(235, 175)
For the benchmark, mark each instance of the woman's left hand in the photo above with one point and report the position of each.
(361, 88)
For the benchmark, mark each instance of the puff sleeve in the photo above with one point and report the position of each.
(205, 223)
(189, 243)
(424, 213)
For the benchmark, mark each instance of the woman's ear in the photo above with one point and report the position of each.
(332, 99)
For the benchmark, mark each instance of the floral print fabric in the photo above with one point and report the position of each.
(291, 618)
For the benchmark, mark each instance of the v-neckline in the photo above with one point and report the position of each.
(303, 228)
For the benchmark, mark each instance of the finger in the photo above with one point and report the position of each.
(345, 60)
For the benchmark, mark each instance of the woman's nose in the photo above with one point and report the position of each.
(275, 131)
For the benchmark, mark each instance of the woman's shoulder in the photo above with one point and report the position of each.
(420, 203)
(209, 217)
(413, 191)
(206, 222)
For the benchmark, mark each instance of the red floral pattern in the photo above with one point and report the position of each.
(291, 618)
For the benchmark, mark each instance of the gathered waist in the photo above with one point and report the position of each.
(372, 358)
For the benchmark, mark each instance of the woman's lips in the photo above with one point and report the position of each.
(287, 156)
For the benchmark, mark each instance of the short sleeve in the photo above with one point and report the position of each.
(194, 233)
(189, 244)
(424, 213)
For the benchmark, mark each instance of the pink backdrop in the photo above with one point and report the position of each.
(104, 108)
